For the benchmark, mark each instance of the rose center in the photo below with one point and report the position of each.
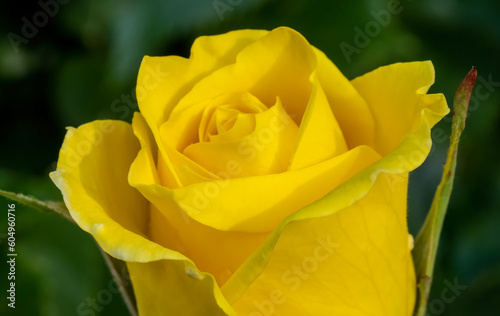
(240, 129)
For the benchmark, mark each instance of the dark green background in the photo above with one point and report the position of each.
(88, 55)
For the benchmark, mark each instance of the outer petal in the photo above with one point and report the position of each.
(92, 176)
(354, 262)
(395, 95)
(410, 153)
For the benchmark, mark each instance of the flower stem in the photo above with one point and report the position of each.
(44, 206)
(427, 240)
(121, 277)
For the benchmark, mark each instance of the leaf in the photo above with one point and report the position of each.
(43, 206)
(427, 241)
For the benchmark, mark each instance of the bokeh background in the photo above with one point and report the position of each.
(82, 64)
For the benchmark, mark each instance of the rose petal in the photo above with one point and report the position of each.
(230, 205)
(349, 108)
(396, 97)
(162, 81)
(174, 229)
(267, 69)
(320, 136)
(84, 176)
(230, 124)
(354, 262)
(148, 169)
(143, 169)
(168, 287)
(266, 150)
(175, 75)
(191, 125)
(92, 176)
(217, 252)
(411, 152)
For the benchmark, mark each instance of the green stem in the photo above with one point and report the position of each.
(426, 243)
(121, 277)
(44, 206)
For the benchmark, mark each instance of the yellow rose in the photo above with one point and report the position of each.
(257, 180)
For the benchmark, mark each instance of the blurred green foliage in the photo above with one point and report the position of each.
(82, 65)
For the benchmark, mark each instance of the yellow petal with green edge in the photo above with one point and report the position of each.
(83, 176)
(91, 173)
(354, 262)
(396, 97)
(408, 155)
(162, 81)
(349, 108)
(230, 205)
(320, 137)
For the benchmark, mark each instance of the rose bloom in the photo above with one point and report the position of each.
(257, 180)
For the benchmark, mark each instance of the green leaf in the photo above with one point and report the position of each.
(426, 243)
(44, 206)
